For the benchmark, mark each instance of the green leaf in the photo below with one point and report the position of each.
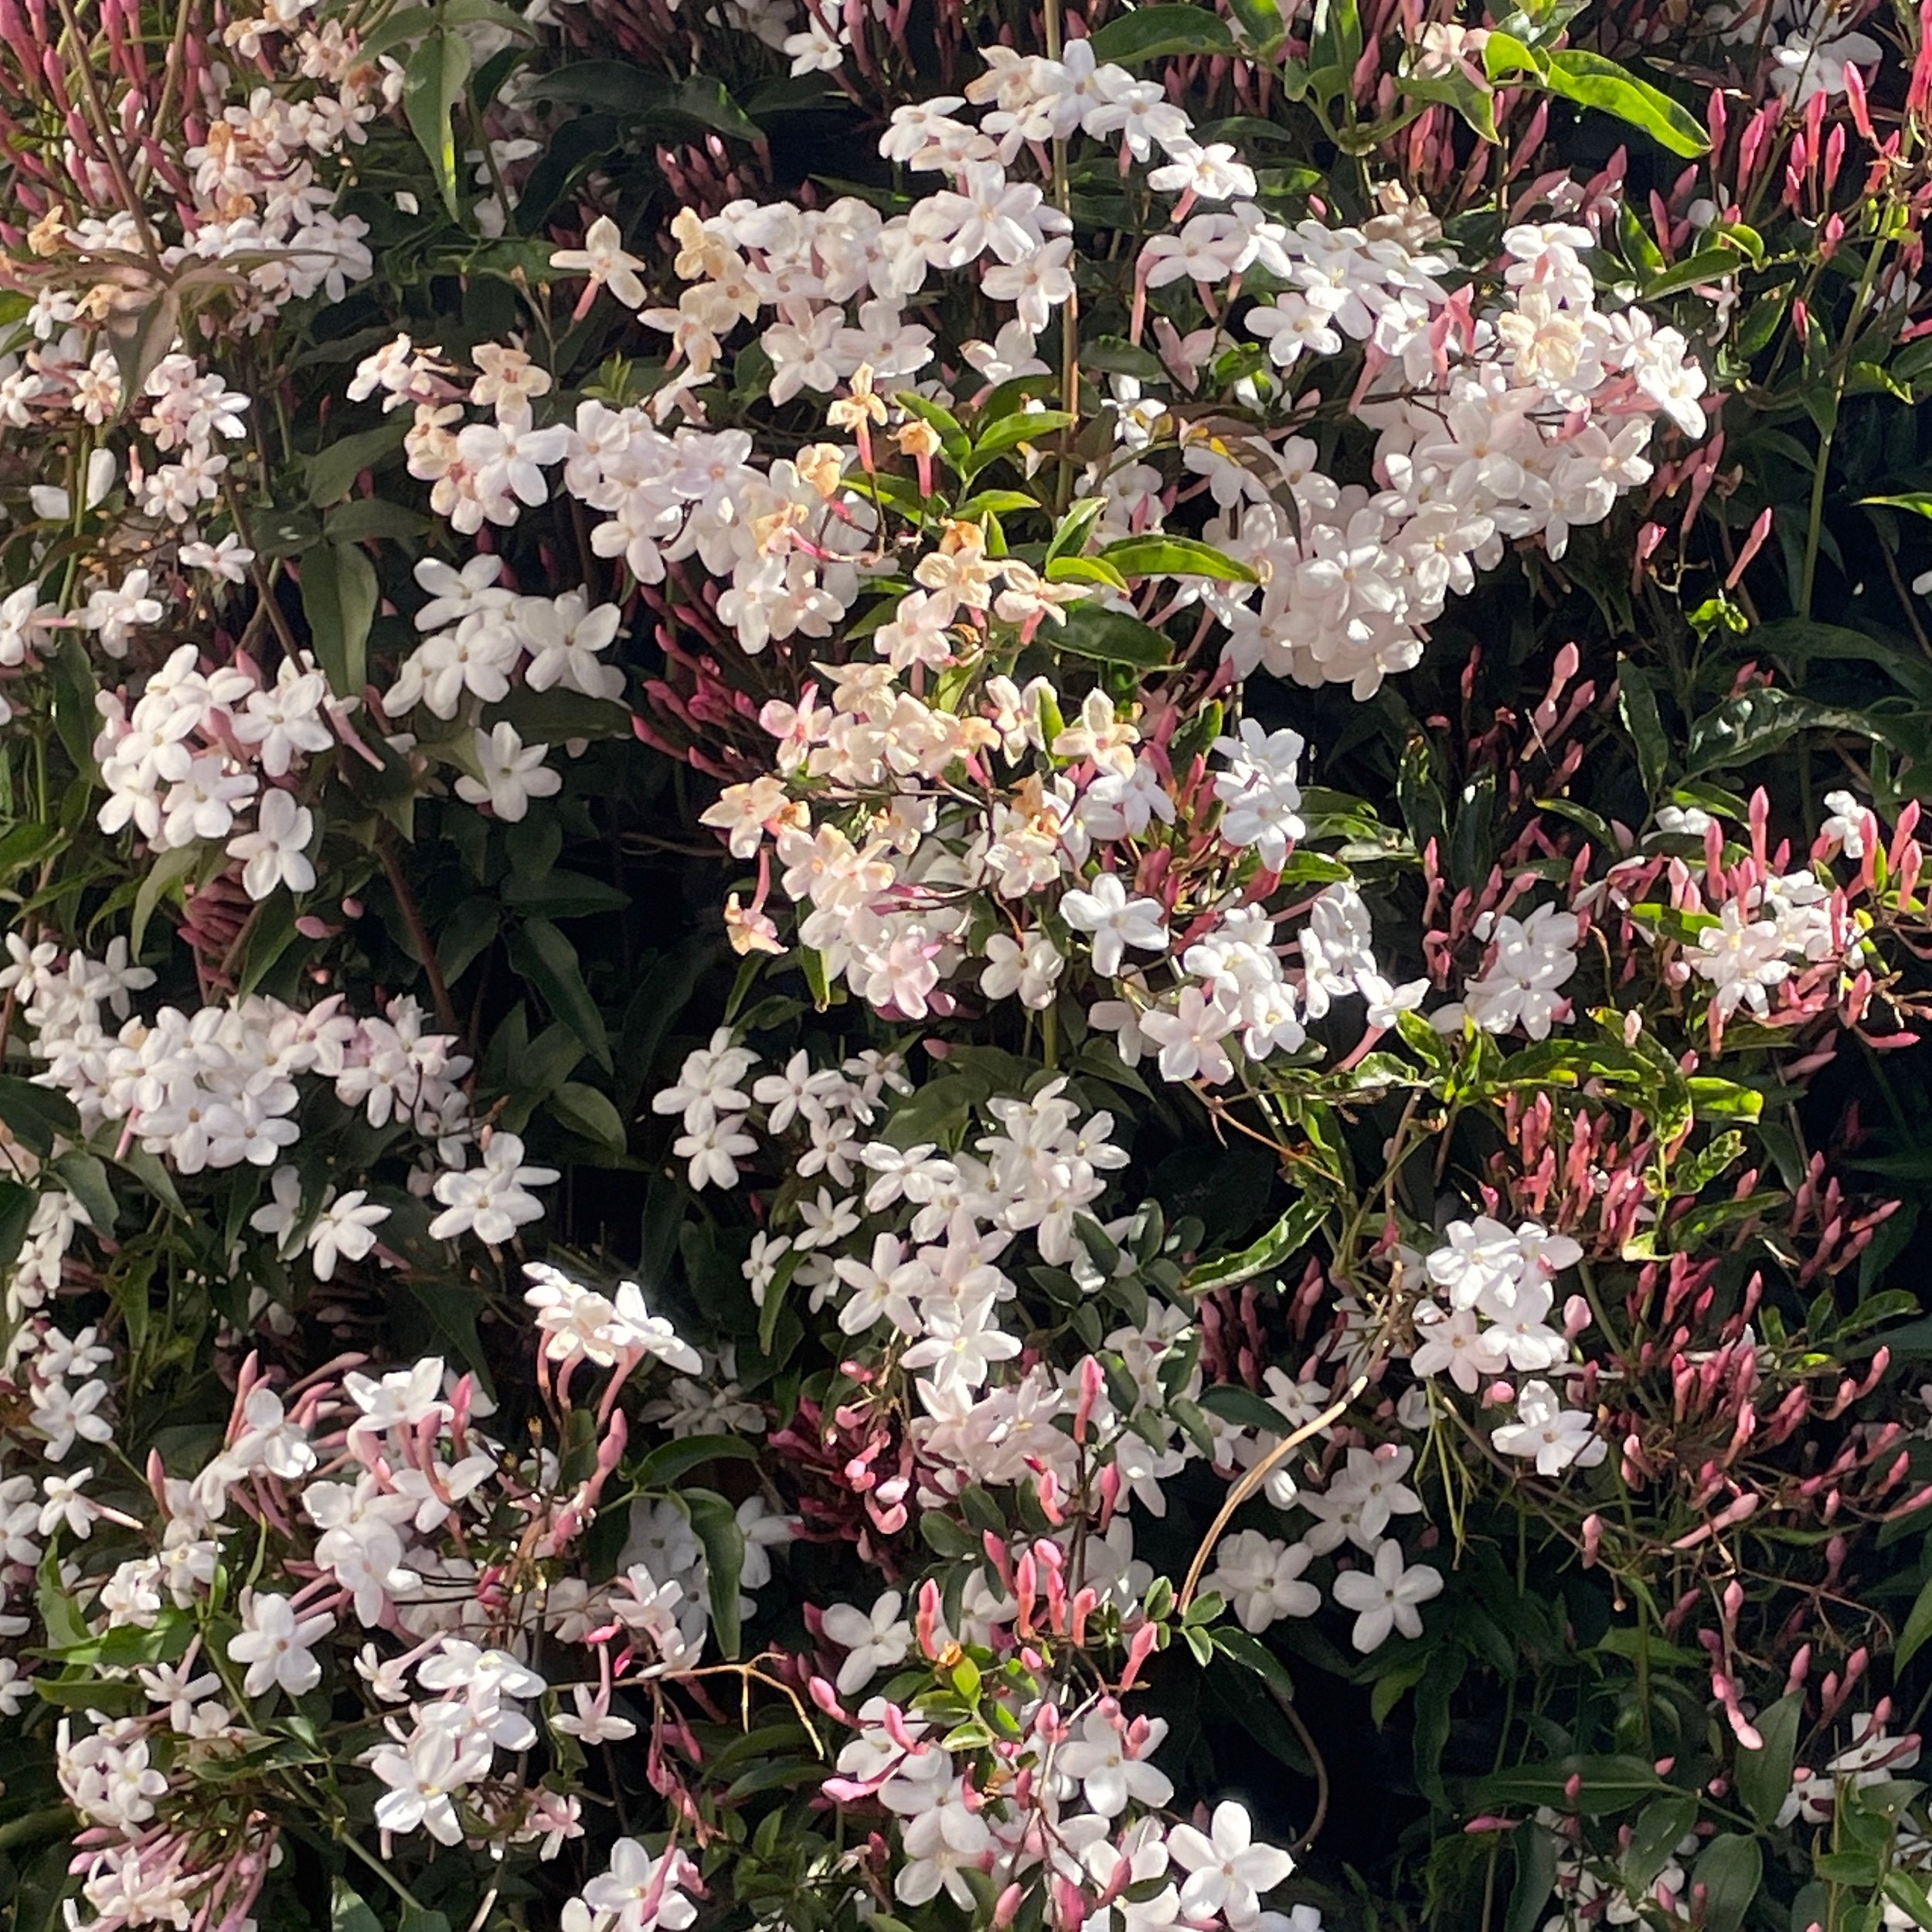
(611, 87)
(590, 1114)
(954, 444)
(332, 470)
(1657, 1832)
(17, 1206)
(1799, 640)
(493, 13)
(1022, 426)
(1859, 1869)
(1115, 355)
(1114, 637)
(632, 92)
(1472, 98)
(549, 717)
(1252, 1654)
(671, 1460)
(1907, 1892)
(996, 503)
(564, 895)
(1403, 1674)
(369, 518)
(1439, 1685)
(84, 1176)
(128, 1644)
(1918, 502)
(1730, 1868)
(542, 955)
(1707, 265)
(1075, 527)
(35, 1115)
(140, 338)
(715, 1523)
(339, 596)
(1592, 81)
(147, 1168)
(75, 717)
(1174, 557)
(1756, 722)
(1151, 33)
(1918, 1628)
(1535, 1850)
(59, 1617)
(1764, 1776)
(1085, 570)
(1713, 1099)
(1285, 1238)
(347, 1912)
(1605, 1784)
(465, 932)
(1261, 21)
(162, 877)
(707, 102)
(432, 85)
(405, 24)
(1637, 705)
(1244, 1407)
(1334, 42)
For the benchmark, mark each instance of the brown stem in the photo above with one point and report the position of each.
(412, 917)
(1315, 1758)
(104, 133)
(1252, 1480)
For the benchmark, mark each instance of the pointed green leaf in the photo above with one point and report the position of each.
(1152, 33)
(1592, 81)
(339, 595)
(1174, 557)
(432, 85)
(541, 954)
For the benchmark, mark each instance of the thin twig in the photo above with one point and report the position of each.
(1320, 1764)
(1253, 1479)
(413, 918)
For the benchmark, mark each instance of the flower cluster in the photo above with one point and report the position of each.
(855, 1019)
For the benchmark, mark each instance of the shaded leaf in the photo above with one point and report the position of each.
(432, 85)
(1730, 1868)
(1764, 1776)
(339, 595)
(332, 470)
(585, 1112)
(540, 953)
(715, 1523)
(1114, 637)
(1151, 33)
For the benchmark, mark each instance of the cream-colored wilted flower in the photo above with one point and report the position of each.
(916, 437)
(48, 235)
(863, 406)
(772, 534)
(700, 253)
(602, 258)
(749, 929)
(823, 466)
